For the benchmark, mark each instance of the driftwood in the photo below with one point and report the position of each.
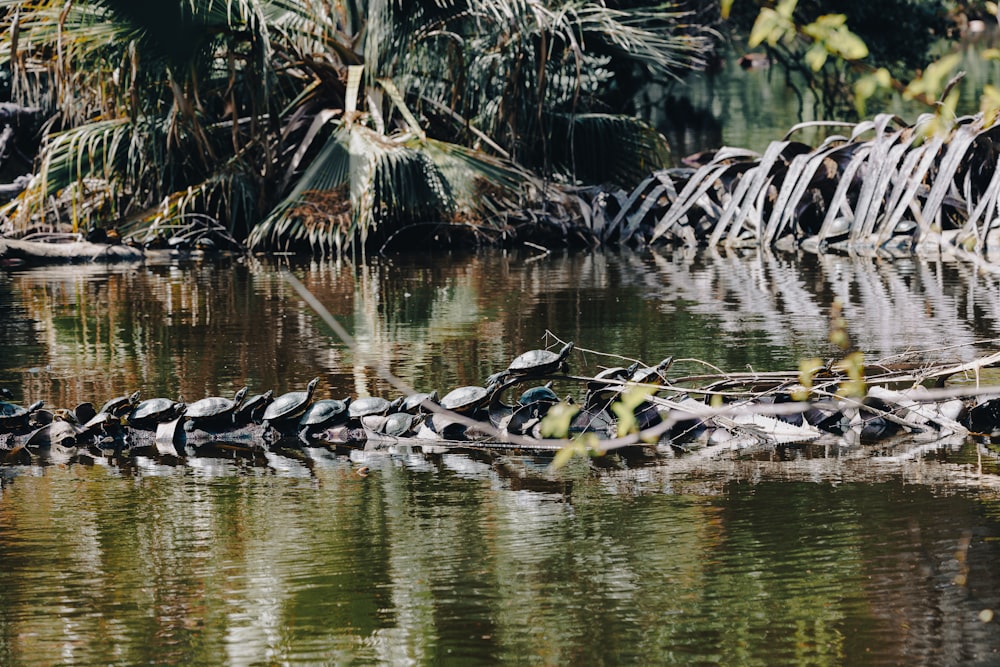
(37, 252)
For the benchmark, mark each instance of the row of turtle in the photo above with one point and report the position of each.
(296, 413)
(458, 415)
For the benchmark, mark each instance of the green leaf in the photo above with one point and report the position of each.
(786, 8)
(934, 78)
(624, 409)
(556, 422)
(846, 44)
(816, 56)
(767, 21)
(587, 444)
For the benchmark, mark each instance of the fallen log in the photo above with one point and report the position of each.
(38, 252)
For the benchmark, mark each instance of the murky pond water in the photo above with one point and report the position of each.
(313, 556)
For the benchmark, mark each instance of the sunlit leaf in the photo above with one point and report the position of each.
(624, 408)
(807, 371)
(557, 420)
(816, 57)
(934, 78)
(586, 445)
(766, 23)
(786, 8)
(846, 44)
(989, 103)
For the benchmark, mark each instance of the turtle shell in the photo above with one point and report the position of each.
(413, 402)
(215, 406)
(57, 433)
(13, 416)
(324, 412)
(12, 411)
(121, 405)
(370, 405)
(398, 424)
(154, 410)
(542, 394)
(290, 405)
(540, 361)
(253, 407)
(653, 374)
(464, 399)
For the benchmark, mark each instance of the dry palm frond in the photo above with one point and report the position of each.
(886, 185)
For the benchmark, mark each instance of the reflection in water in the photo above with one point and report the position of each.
(451, 564)
(90, 333)
(792, 556)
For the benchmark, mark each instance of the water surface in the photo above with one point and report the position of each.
(796, 555)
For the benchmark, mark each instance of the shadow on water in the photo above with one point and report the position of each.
(236, 555)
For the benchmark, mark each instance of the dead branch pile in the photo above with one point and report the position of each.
(883, 187)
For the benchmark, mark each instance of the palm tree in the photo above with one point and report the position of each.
(331, 122)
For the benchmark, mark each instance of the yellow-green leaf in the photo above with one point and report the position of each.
(566, 454)
(807, 369)
(846, 44)
(934, 78)
(556, 422)
(726, 6)
(766, 21)
(989, 104)
(785, 8)
(816, 56)
(624, 409)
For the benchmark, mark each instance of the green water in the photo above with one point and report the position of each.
(836, 556)
(443, 560)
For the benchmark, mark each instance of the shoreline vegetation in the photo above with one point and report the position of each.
(881, 188)
(295, 127)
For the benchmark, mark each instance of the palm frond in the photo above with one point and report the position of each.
(607, 148)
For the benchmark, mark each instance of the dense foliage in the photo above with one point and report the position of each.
(320, 121)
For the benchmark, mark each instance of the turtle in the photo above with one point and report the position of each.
(540, 362)
(610, 377)
(15, 417)
(534, 362)
(652, 374)
(368, 406)
(288, 407)
(413, 403)
(322, 414)
(147, 414)
(398, 424)
(213, 412)
(102, 424)
(252, 410)
(466, 400)
(542, 397)
(540, 394)
(120, 406)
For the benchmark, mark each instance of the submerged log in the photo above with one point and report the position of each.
(37, 252)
